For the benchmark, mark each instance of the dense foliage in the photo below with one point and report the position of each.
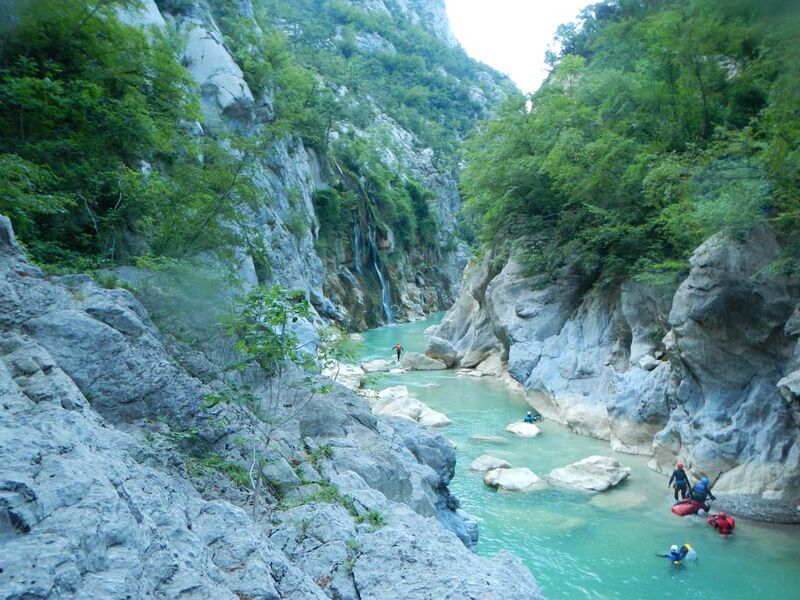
(662, 122)
(96, 159)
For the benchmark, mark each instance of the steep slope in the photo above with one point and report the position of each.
(312, 145)
(120, 479)
(704, 377)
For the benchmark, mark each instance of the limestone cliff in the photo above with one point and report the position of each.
(705, 375)
(120, 478)
(363, 277)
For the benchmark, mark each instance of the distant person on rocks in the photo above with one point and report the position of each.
(399, 349)
(701, 492)
(681, 479)
(531, 418)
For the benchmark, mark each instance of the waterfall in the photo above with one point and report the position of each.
(386, 299)
(357, 246)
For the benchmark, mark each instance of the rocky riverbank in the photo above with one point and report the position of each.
(705, 374)
(128, 466)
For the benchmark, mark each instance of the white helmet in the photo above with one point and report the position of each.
(673, 548)
(529, 412)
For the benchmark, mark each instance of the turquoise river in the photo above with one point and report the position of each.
(577, 545)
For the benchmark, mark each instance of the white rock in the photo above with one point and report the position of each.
(350, 376)
(414, 361)
(396, 371)
(356, 337)
(375, 366)
(486, 462)
(523, 429)
(393, 393)
(592, 474)
(517, 479)
(648, 363)
(410, 408)
(433, 418)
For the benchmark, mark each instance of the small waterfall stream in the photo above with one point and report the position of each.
(357, 243)
(386, 299)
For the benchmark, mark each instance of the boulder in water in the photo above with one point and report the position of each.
(516, 479)
(440, 349)
(433, 418)
(523, 429)
(397, 404)
(375, 366)
(592, 474)
(486, 462)
(414, 361)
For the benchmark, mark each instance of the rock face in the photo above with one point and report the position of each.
(706, 374)
(513, 479)
(119, 479)
(283, 233)
(523, 429)
(592, 474)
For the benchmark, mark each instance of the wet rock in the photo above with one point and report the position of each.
(523, 429)
(414, 361)
(375, 366)
(486, 462)
(440, 349)
(592, 474)
(514, 479)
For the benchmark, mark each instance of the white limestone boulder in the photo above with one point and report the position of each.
(350, 376)
(515, 479)
(434, 418)
(487, 462)
(592, 474)
(414, 361)
(523, 429)
(375, 366)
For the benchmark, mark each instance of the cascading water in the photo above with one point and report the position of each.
(386, 299)
(357, 246)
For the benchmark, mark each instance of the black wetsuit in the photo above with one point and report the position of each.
(681, 483)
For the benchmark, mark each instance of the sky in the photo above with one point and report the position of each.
(511, 35)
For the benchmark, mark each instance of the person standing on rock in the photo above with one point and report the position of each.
(399, 349)
(682, 483)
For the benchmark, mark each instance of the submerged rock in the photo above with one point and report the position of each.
(592, 474)
(514, 479)
(523, 429)
(482, 438)
(486, 462)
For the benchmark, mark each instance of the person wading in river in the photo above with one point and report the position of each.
(682, 483)
(399, 349)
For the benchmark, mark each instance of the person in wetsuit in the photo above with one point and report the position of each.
(531, 418)
(681, 480)
(722, 523)
(702, 492)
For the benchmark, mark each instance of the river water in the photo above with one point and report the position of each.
(578, 545)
